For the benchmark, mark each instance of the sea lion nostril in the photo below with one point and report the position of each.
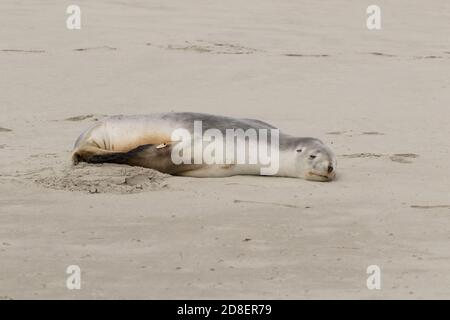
(330, 169)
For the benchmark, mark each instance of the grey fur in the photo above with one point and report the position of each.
(97, 144)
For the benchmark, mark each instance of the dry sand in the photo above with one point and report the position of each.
(381, 99)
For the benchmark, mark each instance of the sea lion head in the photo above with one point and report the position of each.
(314, 160)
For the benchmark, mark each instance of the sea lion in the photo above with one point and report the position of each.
(148, 141)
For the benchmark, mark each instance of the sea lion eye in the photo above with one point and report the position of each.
(299, 150)
(312, 156)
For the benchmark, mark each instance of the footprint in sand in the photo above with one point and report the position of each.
(44, 155)
(266, 203)
(80, 118)
(5, 129)
(345, 133)
(22, 51)
(106, 48)
(438, 206)
(403, 157)
(350, 134)
(381, 54)
(372, 133)
(397, 157)
(93, 117)
(201, 46)
(306, 55)
(428, 57)
(362, 155)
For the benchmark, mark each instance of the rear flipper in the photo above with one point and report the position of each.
(157, 157)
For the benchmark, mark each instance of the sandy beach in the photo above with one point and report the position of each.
(380, 99)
